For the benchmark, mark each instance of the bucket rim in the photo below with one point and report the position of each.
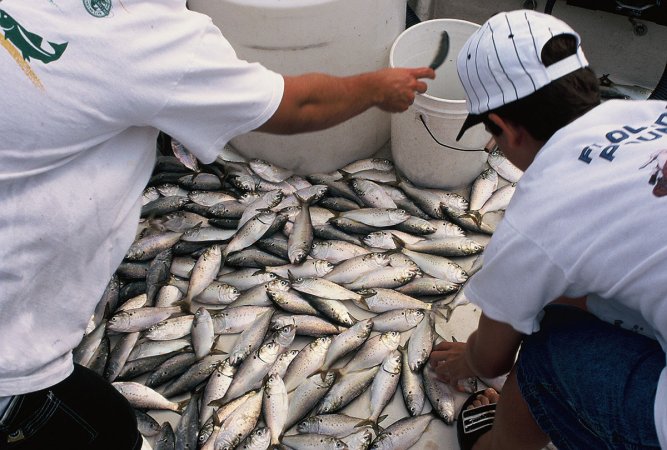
(422, 24)
(272, 4)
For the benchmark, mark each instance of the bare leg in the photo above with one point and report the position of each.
(514, 427)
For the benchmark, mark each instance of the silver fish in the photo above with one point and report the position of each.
(279, 368)
(336, 251)
(246, 278)
(250, 339)
(372, 194)
(438, 266)
(321, 287)
(398, 320)
(402, 434)
(140, 319)
(240, 422)
(204, 272)
(384, 239)
(347, 341)
(314, 442)
(384, 386)
(377, 217)
(195, 374)
(216, 388)
(369, 164)
(383, 300)
(259, 439)
(306, 396)
(209, 198)
(503, 166)
(235, 320)
(147, 248)
(252, 370)
(359, 440)
(184, 155)
(269, 171)
(266, 201)
(412, 387)
(307, 362)
(420, 344)
(387, 277)
(310, 268)
(119, 354)
(482, 188)
(250, 232)
(427, 285)
(288, 299)
(346, 389)
(275, 407)
(203, 333)
(143, 397)
(439, 394)
(373, 352)
(338, 425)
(350, 270)
(173, 328)
(300, 240)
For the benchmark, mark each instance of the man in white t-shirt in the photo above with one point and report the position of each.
(86, 88)
(583, 239)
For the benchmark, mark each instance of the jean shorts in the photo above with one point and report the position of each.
(590, 384)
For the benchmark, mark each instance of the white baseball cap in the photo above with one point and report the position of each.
(501, 62)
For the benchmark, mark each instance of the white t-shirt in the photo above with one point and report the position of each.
(585, 220)
(85, 89)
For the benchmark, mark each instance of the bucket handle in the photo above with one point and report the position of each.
(421, 117)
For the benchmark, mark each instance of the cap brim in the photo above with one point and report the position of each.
(471, 121)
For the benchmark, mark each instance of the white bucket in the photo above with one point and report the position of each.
(339, 37)
(443, 109)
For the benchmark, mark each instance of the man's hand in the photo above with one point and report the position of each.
(398, 87)
(448, 359)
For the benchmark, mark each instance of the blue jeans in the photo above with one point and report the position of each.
(590, 384)
(81, 412)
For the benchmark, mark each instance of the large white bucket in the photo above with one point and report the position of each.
(441, 110)
(339, 37)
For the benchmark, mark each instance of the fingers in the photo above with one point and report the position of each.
(423, 72)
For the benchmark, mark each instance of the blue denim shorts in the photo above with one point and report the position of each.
(590, 384)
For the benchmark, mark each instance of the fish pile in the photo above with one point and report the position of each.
(236, 261)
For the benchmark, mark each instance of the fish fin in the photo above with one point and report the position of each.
(400, 243)
(291, 277)
(346, 175)
(361, 303)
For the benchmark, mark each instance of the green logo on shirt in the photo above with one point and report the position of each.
(23, 46)
(98, 8)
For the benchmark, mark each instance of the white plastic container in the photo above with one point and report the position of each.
(443, 109)
(339, 37)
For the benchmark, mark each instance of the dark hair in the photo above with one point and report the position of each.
(550, 108)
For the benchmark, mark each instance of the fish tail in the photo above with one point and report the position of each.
(367, 423)
(58, 49)
(367, 293)
(181, 405)
(474, 215)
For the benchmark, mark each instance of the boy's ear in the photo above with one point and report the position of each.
(511, 132)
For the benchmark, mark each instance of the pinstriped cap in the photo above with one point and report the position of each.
(501, 63)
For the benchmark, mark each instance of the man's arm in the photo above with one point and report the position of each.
(489, 352)
(317, 101)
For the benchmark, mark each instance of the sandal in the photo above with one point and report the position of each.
(472, 423)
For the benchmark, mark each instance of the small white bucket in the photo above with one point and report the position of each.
(436, 117)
